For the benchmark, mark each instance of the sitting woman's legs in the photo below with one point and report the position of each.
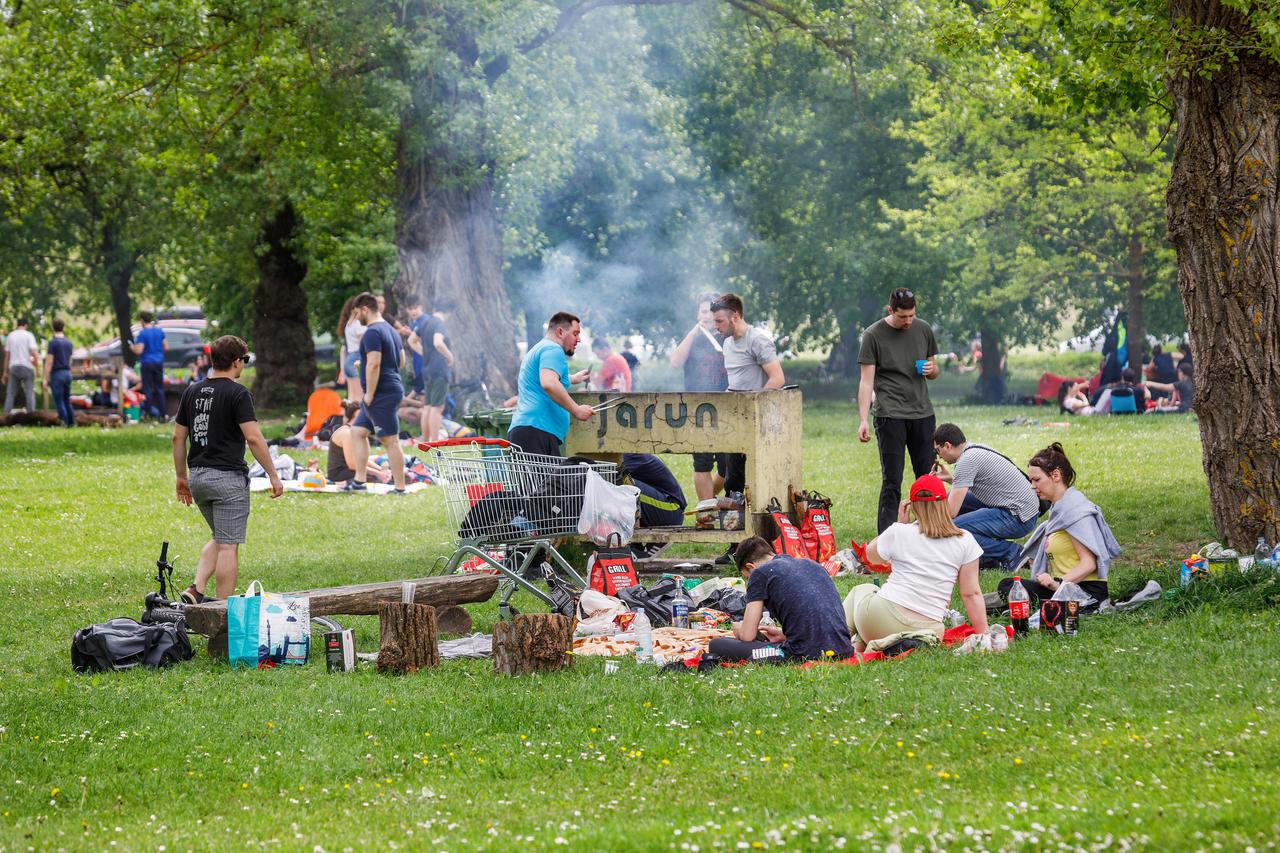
(871, 617)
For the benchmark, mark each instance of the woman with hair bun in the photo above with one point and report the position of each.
(1074, 543)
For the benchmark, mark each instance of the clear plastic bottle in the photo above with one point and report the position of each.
(1019, 606)
(643, 630)
(1263, 551)
(680, 606)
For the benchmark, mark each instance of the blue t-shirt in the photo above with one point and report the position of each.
(801, 596)
(417, 327)
(380, 337)
(60, 349)
(152, 340)
(534, 408)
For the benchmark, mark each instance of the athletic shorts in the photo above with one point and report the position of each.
(871, 617)
(704, 462)
(223, 499)
(351, 365)
(435, 391)
(533, 440)
(382, 416)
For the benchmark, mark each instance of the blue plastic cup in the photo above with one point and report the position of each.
(920, 363)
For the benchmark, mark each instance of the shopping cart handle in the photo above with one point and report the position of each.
(464, 440)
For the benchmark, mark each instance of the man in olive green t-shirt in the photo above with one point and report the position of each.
(896, 357)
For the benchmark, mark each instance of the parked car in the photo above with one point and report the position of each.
(185, 339)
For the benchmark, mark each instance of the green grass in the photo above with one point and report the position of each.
(1150, 729)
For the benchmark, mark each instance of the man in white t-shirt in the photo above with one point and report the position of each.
(20, 359)
(928, 557)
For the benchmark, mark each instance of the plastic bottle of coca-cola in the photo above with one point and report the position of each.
(1019, 606)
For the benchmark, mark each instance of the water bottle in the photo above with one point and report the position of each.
(1019, 606)
(1263, 551)
(643, 630)
(680, 606)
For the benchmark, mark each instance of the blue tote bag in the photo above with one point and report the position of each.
(244, 614)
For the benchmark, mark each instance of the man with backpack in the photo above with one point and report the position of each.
(990, 496)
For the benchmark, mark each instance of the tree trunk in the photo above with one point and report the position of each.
(534, 642)
(408, 638)
(1137, 285)
(118, 265)
(284, 355)
(843, 360)
(1222, 205)
(450, 247)
(991, 388)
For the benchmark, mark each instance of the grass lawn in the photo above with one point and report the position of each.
(1146, 730)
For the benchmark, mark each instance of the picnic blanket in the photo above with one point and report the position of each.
(262, 484)
(668, 642)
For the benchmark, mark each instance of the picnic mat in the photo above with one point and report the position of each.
(262, 484)
(668, 642)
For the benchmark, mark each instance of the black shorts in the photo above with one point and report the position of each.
(704, 462)
(435, 391)
(533, 440)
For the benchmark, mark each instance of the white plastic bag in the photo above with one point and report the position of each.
(1069, 591)
(607, 510)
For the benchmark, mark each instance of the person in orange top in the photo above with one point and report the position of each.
(615, 373)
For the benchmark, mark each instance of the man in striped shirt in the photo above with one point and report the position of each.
(990, 496)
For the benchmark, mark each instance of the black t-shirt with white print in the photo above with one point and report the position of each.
(212, 412)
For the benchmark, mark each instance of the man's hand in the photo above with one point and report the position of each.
(277, 487)
(580, 376)
(772, 633)
(583, 413)
(184, 491)
(931, 368)
(1046, 580)
(903, 508)
(940, 471)
(864, 432)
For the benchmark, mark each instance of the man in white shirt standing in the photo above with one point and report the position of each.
(20, 353)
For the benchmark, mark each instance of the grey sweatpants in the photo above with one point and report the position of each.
(20, 375)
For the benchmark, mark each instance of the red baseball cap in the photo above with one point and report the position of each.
(928, 488)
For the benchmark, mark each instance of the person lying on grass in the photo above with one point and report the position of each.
(800, 596)
(1074, 543)
(928, 556)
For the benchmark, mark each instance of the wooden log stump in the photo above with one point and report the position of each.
(534, 642)
(408, 638)
(452, 619)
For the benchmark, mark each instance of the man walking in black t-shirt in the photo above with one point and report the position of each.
(380, 356)
(897, 356)
(217, 416)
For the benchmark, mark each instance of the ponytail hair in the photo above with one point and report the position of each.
(1054, 458)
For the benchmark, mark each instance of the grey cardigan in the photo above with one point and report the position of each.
(1080, 518)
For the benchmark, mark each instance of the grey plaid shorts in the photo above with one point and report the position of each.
(223, 498)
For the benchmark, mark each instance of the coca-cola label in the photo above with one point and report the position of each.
(1019, 609)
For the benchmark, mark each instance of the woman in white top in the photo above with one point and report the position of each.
(351, 330)
(927, 557)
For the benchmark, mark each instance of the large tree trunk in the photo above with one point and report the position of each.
(1137, 284)
(284, 355)
(1222, 203)
(118, 264)
(450, 246)
(991, 386)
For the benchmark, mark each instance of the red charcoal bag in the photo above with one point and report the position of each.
(815, 529)
(789, 541)
(613, 569)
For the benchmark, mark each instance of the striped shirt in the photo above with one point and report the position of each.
(995, 481)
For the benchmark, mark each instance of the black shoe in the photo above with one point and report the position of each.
(399, 492)
(191, 596)
(726, 559)
(353, 486)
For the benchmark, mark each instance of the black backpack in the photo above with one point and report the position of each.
(123, 643)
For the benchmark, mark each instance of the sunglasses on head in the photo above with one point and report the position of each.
(904, 293)
(719, 306)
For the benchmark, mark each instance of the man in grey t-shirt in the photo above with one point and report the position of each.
(751, 360)
(990, 496)
(897, 357)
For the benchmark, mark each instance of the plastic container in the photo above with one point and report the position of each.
(642, 628)
(1019, 606)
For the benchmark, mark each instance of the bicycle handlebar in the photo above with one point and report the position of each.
(464, 440)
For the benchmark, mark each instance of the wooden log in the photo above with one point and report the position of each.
(452, 619)
(408, 638)
(360, 600)
(534, 642)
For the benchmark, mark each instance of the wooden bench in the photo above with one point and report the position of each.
(210, 618)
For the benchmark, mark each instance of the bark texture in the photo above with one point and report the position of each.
(450, 246)
(992, 388)
(118, 264)
(534, 642)
(1224, 224)
(284, 355)
(408, 638)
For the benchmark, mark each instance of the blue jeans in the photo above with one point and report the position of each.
(993, 527)
(60, 385)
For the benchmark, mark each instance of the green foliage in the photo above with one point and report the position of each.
(1227, 589)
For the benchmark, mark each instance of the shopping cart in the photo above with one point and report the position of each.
(508, 508)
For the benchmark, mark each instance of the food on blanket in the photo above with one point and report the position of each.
(624, 620)
(706, 617)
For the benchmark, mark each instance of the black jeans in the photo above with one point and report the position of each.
(153, 388)
(1037, 592)
(731, 648)
(735, 472)
(533, 440)
(896, 437)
